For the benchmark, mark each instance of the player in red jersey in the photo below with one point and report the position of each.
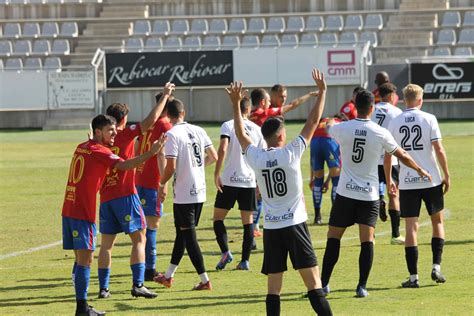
(90, 163)
(348, 110)
(381, 78)
(120, 209)
(147, 179)
(279, 93)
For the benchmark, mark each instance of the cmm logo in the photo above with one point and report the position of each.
(341, 63)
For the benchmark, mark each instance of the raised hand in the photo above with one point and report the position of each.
(318, 78)
(235, 92)
(168, 88)
(158, 145)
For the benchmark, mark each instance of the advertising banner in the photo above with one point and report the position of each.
(71, 90)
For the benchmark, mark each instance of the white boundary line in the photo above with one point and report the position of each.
(27, 251)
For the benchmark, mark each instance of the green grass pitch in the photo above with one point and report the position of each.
(37, 281)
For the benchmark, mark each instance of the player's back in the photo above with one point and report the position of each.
(187, 144)
(237, 172)
(384, 113)
(415, 131)
(361, 141)
(278, 173)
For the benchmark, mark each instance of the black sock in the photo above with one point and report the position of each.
(437, 249)
(395, 221)
(273, 305)
(221, 235)
(319, 302)
(81, 306)
(366, 258)
(411, 256)
(317, 213)
(331, 255)
(247, 242)
(178, 248)
(194, 252)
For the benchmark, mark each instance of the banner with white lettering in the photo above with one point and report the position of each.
(201, 68)
(444, 80)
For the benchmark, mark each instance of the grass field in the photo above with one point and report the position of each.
(35, 271)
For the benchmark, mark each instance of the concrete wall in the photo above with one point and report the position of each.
(23, 119)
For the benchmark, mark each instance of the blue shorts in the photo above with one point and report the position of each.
(124, 214)
(78, 234)
(324, 149)
(149, 201)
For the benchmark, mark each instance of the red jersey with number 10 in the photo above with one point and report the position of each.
(120, 183)
(147, 174)
(259, 116)
(87, 171)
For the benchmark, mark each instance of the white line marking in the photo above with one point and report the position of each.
(27, 251)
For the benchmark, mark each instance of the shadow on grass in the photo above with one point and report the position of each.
(43, 300)
(452, 242)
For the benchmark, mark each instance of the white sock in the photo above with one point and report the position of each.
(171, 271)
(204, 278)
(437, 267)
(413, 277)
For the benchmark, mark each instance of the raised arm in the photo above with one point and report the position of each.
(317, 110)
(235, 92)
(443, 163)
(158, 108)
(298, 101)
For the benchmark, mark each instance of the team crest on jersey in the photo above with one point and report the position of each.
(295, 143)
(133, 127)
(114, 156)
(352, 186)
(415, 178)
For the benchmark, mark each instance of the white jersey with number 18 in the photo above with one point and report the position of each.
(187, 144)
(415, 130)
(361, 142)
(278, 174)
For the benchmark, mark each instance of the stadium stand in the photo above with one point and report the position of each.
(256, 26)
(199, 27)
(153, 44)
(276, 25)
(211, 42)
(289, 40)
(33, 64)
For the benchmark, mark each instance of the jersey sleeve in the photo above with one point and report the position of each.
(106, 157)
(133, 131)
(435, 131)
(207, 139)
(171, 146)
(251, 153)
(389, 144)
(296, 148)
(225, 130)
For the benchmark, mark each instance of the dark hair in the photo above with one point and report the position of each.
(175, 107)
(278, 88)
(244, 104)
(357, 90)
(272, 125)
(257, 95)
(364, 100)
(158, 97)
(102, 120)
(386, 89)
(117, 111)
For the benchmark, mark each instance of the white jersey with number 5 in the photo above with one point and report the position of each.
(278, 173)
(361, 142)
(187, 144)
(383, 114)
(415, 130)
(237, 172)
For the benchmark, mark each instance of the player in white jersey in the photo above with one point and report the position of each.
(237, 183)
(278, 173)
(384, 112)
(418, 133)
(188, 150)
(357, 199)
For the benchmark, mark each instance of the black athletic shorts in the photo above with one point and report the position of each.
(187, 215)
(295, 240)
(410, 201)
(395, 172)
(244, 196)
(346, 212)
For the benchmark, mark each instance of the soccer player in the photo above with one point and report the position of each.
(279, 93)
(147, 178)
(324, 148)
(278, 170)
(418, 132)
(381, 78)
(120, 209)
(237, 183)
(385, 111)
(188, 150)
(348, 109)
(90, 163)
(357, 199)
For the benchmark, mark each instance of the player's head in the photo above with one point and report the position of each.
(119, 111)
(355, 91)
(245, 106)
(176, 109)
(104, 129)
(260, 98)
(364, 103)
(413, 95)
(273, 131)
(381, 78)
(387, 92)
(165, 109)
(278, 95)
